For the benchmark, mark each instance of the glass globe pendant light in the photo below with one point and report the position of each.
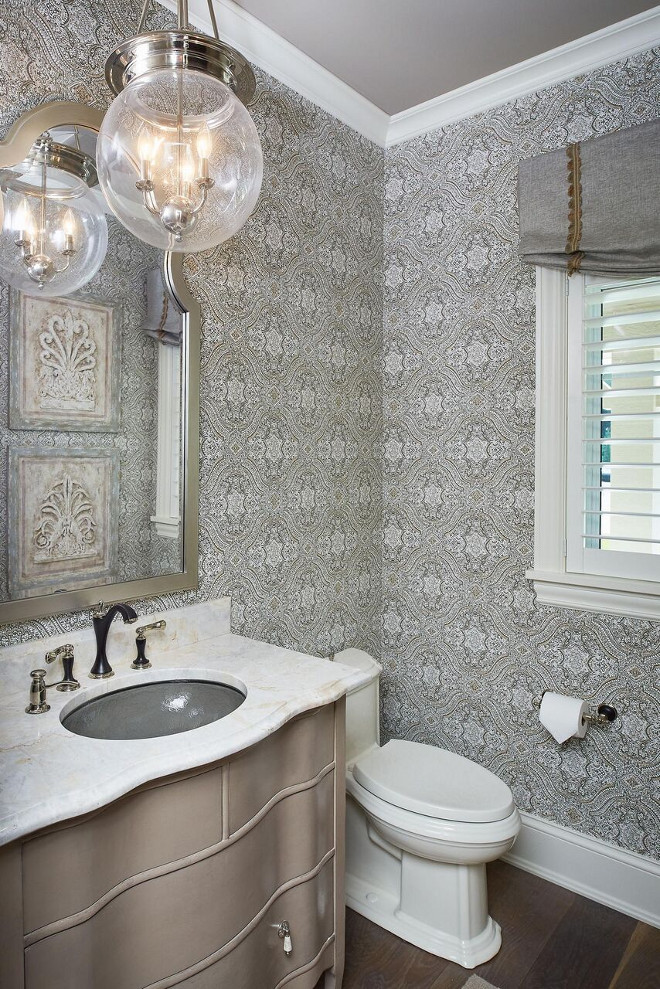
(54, 232)
(178, 155)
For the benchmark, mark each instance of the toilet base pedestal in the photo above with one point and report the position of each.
(441, 907)
(382, 908)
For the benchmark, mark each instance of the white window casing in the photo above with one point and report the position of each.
(575, 565)
(166, 520)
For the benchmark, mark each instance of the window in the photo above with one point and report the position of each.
(597, 534)
(166, 521)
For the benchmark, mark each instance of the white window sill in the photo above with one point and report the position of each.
(605, 595)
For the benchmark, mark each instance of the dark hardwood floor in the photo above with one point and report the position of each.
(551, 939)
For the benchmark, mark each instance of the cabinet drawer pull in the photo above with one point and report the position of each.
(284, 932)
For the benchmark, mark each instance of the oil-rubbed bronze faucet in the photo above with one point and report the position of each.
(101, 620)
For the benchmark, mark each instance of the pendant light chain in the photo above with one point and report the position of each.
(143, 16)
(183, 22)
(214, 23)
(182, 15)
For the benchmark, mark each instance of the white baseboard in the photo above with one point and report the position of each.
(600, 871)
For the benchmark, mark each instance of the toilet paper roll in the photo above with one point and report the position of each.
(562, 716)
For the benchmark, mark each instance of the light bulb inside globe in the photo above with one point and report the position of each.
(179, 159)
(55, 234)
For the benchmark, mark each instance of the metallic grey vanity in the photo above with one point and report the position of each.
(225, 871)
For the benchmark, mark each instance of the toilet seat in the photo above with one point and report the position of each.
(426, 780)
(461, 842)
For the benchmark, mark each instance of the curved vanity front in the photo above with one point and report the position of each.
(227, 871)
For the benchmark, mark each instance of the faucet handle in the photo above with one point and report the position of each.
(65, 653)
(62, 652)
(141, 662)
(140, 631)
(99, 610)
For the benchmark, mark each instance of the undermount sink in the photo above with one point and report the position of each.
(149, 710)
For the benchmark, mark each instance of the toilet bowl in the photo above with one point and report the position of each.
(421, 824)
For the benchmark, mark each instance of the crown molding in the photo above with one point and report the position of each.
(628, 37)
(266, 49)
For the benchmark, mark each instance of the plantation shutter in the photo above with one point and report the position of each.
(614, 427)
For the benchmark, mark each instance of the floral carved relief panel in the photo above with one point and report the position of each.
(61, 507)
(64, 365)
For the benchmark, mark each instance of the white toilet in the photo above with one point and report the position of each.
(421, 823)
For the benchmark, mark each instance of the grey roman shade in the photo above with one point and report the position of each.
(162, 321)
(593, 206)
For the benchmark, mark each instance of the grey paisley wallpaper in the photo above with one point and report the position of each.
(465, 646)
(368, 421)
(291, 400)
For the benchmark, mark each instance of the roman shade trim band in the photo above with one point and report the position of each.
(574, 208)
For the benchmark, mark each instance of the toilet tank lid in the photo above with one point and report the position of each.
(434, 782)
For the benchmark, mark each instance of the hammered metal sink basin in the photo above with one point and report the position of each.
(149, 710)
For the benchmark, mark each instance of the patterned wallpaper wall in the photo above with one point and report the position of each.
(291, 403)
(465, 646)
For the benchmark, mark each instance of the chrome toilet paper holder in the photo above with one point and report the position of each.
(604, 714)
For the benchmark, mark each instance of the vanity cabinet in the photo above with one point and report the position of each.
(187, 881)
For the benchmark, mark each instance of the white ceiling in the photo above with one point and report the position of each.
(400, 53)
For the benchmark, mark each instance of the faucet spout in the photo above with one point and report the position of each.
(101, 620)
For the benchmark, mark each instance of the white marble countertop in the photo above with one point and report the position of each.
(49, 774)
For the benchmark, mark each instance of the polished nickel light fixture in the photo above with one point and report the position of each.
(178, 155)
(54, 233)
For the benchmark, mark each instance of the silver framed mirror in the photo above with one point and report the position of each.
(100, 396)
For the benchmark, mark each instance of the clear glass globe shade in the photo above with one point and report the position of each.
(179, 160)
(67, 251)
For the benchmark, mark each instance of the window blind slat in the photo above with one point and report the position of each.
(623, 466)
(623, 515)
(629, 343)
(618, 488)
(619, 417)
(622, 392)
(619, 539)
(622, 441)
(623, 319)
(629, 370)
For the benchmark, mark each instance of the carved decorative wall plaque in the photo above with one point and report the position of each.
(63, 512)
(64, 365)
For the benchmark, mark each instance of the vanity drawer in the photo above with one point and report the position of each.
(298, 751)
(69, 869)
(168, 923)
(257, 961)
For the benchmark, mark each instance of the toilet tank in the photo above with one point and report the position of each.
(362, 704)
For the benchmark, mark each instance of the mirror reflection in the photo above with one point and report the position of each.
(91, 383)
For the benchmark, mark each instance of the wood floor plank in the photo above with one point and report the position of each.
(640, 966)
(528, 910)
(376, 959)
(585, 950)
